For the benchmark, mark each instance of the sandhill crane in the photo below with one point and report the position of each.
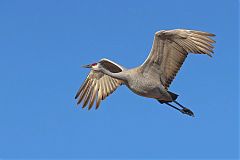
(153, 77)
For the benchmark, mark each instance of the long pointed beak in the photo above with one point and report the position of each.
(87, 66)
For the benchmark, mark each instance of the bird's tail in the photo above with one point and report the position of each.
(173, 96)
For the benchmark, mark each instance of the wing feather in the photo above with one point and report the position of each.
(88, 95)
(99, 98)
(104, 89)
(93, 96)
(84, 91)
(98, 85)
(106, 84)
(170, 49)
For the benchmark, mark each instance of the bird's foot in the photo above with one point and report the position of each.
(187, 111)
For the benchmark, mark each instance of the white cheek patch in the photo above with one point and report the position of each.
(95, 66)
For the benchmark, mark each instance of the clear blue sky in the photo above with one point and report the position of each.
(44, 43)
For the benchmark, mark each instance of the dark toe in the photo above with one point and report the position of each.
(187, 111)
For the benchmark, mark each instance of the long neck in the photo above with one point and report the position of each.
(120, 75)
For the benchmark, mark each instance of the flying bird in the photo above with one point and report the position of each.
(151, 79)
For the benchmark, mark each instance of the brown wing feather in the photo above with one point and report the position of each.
(98, 86)
(170, 49)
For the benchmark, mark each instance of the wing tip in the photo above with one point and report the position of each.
(210, 55)
(76, 96)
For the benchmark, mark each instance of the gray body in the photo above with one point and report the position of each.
(146, 85)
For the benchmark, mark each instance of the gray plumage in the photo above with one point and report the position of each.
(151, 79)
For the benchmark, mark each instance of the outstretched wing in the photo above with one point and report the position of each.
(98, 85)
(171, 47)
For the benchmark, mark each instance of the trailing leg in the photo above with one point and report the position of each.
(184, 109)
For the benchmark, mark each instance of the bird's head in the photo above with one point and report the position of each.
(94, 66)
